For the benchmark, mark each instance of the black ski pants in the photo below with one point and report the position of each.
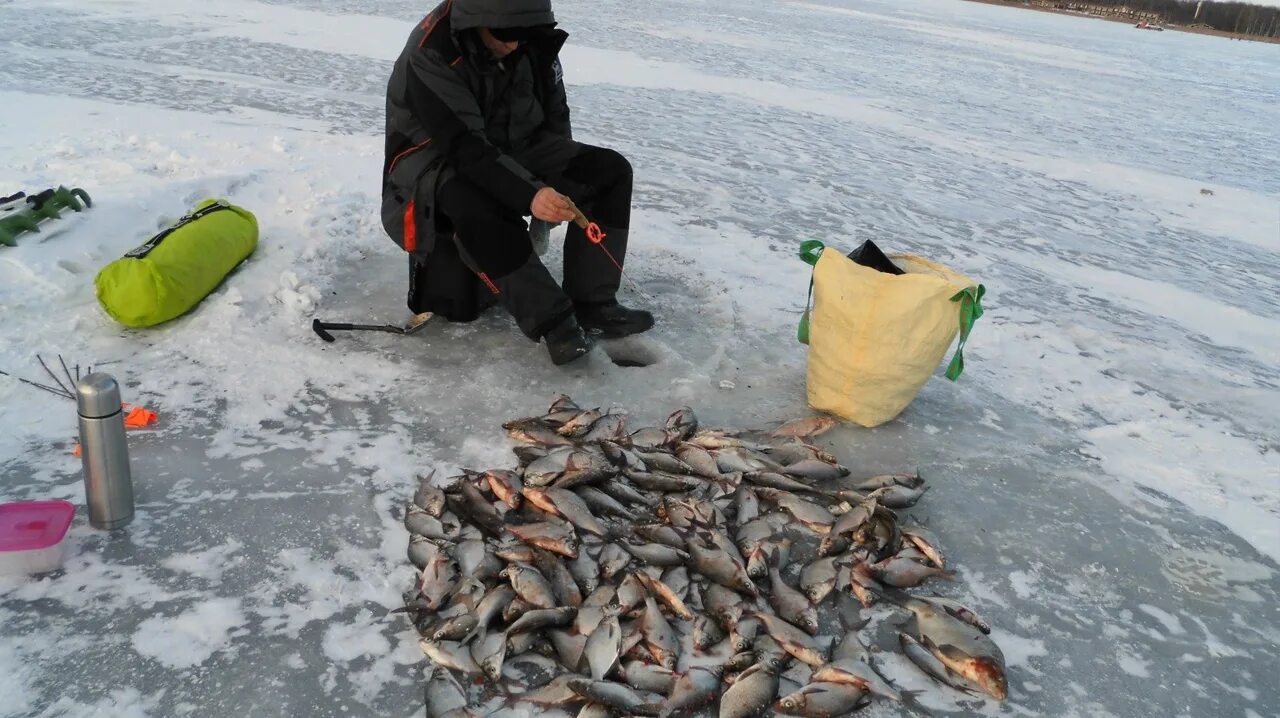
(496, 240)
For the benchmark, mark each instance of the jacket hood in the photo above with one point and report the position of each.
(501, 13)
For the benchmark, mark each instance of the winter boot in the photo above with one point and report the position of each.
(537, 303)
(611, 320)
(566, 342)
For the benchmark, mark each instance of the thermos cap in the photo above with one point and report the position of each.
(98, 396)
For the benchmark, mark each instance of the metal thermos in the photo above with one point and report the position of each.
(108, 484)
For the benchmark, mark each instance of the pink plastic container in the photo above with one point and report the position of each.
(33, 536)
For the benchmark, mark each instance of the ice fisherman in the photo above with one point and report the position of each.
(478, 137)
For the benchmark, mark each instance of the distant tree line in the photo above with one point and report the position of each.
(1239, 17)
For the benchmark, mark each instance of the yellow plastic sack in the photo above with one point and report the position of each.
(876, 338)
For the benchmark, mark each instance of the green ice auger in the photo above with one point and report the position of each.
(24, 214)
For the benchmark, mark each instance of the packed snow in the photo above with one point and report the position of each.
(1106, 475)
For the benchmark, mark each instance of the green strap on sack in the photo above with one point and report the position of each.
(810, 251)
(970, 300)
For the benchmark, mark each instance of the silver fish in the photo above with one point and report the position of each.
(662, 641)
(419, 522)
(575, 510)
(612, 427)
(724, 605)
(925, 542)
(905, 573)
(791, 605)
(857, 673)
(744, 633)
(959, 611)
(553, 535)
(934, 668)
(613, 558)
(489, 652)
(602, 503)
(775, 480)
(812, 516)
(818, 579)
(697, 687)
(449, 654)
(822, 700)
(658, 481)
(533, 431)
(628, 494)
(580, 423)
(515, 609)
(604, 648)
(631, 591)
(741, 661)
(751, 534)
(659, 533)
(711, 439)
(569, 648)
(475, 506)
(530, 585)
(750, 695)
(615, 695)
(476, 560)
(444, 693)
(804, 428)
(542, 618)
(651, 438)
(721, 567)
(666, 595)
(816, 470)
(655, 554)
(563, 585)
(851, 648)
(544, 470)
(677, 579)
(662, 461)
(863, 584)
(512, 551)
(585, 571)
(648, 677)
(699, 460)
(429, 497)
(491, 606)
(584, 467)
(792, 640)
(595, 710)
(556, 693)
(963, 648)
(621, 456)
(886, 480)
(706, 632)
(528, 453)
(439, 578)
(455, 629)
(422, 550)
(898, 497)
(855, 518)
(682, 422)
(601, 604)
(736, 459)
(746, 504)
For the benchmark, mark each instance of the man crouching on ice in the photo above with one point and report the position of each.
(478, 137)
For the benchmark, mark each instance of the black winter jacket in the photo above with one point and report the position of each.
(453, 109)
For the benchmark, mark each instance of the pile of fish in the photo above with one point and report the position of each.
(666, 570)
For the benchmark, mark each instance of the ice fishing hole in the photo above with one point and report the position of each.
(629, 352)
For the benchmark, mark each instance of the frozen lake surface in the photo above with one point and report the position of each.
(1106, 475)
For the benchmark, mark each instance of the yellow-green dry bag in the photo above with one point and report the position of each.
(168, 275)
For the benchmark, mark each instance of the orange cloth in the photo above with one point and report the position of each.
(136, 417)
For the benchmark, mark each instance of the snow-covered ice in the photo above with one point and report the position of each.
(1106, 475)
